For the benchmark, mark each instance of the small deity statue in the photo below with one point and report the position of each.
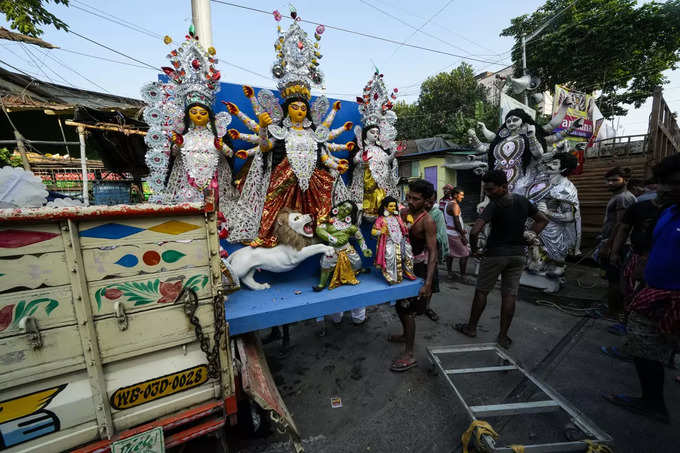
(518, 146)
(304, 172)
(557, 198)
(376, 170)
(393, 255)
(342, 266)
(189, 152)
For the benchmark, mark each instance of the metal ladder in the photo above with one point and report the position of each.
(554, 402)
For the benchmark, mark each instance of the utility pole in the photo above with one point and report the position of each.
(524, 64)
(200, 14)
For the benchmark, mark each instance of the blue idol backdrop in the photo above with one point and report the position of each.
(231, 92)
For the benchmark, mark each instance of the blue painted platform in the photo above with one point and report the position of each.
(248, 310)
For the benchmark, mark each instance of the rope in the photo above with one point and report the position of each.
(479, 428)
(597, 448)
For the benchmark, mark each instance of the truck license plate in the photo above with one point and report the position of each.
(151, 441)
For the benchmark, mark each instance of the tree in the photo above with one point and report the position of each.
(610, 45)
(26, 15)
(449, 103)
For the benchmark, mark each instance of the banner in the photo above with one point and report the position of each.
(582, 107)
(509, 103)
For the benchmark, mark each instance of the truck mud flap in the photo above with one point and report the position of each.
(259, 385)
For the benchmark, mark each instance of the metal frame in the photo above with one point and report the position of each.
(554, 402)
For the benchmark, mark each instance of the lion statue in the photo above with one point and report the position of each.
(295, 235)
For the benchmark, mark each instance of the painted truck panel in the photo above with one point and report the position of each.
(92, 338)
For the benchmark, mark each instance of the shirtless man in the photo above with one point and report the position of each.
(423, 237)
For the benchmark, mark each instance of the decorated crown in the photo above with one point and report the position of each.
(297, 64)
(375, 106)
(193, 72)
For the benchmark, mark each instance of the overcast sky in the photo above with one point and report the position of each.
(245, 38)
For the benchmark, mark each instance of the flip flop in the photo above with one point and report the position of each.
(432, 314)
(396, 339)
(613, 351)
(400, 365)
(462, 328)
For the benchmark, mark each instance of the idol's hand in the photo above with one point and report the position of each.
(350, 145)
(348, 125)
(219, 143)
(531, 130)
(176, 138)
(336, 105)
(242, 154)
(231, 107)
(248, 91)
(234, 134)
(265, 120)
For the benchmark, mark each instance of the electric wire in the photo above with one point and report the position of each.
(411, 14)
(366, 35)
(111, 18)
(106, 59)
(42, 63)
(446, 5)
(412, 27)
(35, 63)
(113, 50)
(76, 72)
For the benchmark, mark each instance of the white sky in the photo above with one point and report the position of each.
(245, 38)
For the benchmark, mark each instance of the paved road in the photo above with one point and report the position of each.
(416, 411)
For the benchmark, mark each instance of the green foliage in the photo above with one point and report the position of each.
(26, 15)
(611, 45)
(449, 104)
(7, 158)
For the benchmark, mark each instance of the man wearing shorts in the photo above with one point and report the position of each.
(505, 250)
(423, 237)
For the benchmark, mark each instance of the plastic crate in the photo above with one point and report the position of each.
(111, 192)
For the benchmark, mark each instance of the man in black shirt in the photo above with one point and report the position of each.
(505, 250)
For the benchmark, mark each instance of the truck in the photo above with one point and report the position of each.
(113, 334)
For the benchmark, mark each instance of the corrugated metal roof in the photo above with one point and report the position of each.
(21, 92)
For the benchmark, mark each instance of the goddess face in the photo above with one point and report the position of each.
(513, 123)
(198, 115)
(372, 135)
(392, 207)
(297, 111)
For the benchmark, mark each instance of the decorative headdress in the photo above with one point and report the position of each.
(193, 71)
(297, 64)
(375, 107)
(193, 78)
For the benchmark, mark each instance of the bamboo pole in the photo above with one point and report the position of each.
(22, 150)
(83, 165)
(63, 135)
(108, 127)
